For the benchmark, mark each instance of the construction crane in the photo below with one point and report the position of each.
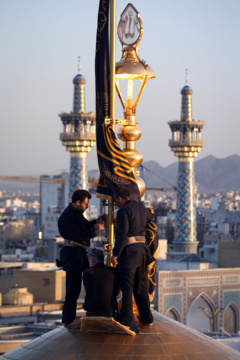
(34, 180)
(53, 180)
(92, 181)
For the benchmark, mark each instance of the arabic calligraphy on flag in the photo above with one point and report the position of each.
(154, 248)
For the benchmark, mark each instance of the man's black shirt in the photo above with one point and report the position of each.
(74, 226)
(132, 219)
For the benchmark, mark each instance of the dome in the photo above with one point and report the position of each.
(186, 90)
(79, 80)
(167, 339)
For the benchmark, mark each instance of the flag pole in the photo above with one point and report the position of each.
(112, 60)
(112, 116)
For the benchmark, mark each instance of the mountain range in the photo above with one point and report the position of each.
(211, 174)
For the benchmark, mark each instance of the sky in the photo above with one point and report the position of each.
(40, 42)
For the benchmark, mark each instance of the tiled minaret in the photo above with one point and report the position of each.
(79, 135)
(186, 143)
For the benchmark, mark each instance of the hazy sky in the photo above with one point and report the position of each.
(41, 41)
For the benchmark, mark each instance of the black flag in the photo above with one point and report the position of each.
(113, 165)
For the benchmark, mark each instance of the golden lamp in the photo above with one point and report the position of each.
(131, 68)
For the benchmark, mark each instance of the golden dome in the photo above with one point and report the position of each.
(167, 340)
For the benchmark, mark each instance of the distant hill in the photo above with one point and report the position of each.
(221, 174)
(210, 174)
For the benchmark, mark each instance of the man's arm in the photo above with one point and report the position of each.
(76, 229)
(122, 231)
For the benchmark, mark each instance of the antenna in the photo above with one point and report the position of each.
(186, 76)
(79, 65)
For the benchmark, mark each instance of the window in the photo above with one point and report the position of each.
(46, 282)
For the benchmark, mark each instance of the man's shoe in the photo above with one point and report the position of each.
(75, 324)
(144, 323)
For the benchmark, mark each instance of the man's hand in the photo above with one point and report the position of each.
(102, 218)
(100, 222)
(114, 260)
(98, 227)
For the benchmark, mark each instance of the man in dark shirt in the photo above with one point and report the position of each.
(77, 232)
(101, 285)
(131, 256)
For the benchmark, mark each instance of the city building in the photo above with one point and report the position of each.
(44, 280)
(229, 253)
(16, 232)
(218, 229)
(13, 255)
(51, 222)
(53, 192)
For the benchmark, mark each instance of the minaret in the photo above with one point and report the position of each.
(79, 135)
(186, 143)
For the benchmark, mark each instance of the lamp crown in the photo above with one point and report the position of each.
(130, 27)
(130, 30)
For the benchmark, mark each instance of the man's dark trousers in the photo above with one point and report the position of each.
(132, 274)
(74, 260)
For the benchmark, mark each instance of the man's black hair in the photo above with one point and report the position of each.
(96, 254)
(80, 195)
(122, 192)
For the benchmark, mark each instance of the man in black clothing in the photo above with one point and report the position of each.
(101, 285)
(77, 232)
(131, 256)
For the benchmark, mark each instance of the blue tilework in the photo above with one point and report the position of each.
(231, 297)
(78, 174)
(172, 300)
(186, 212)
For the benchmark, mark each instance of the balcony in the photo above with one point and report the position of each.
(77, 136)
(186, 142)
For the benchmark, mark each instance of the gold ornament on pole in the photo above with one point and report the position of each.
(131, 68)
